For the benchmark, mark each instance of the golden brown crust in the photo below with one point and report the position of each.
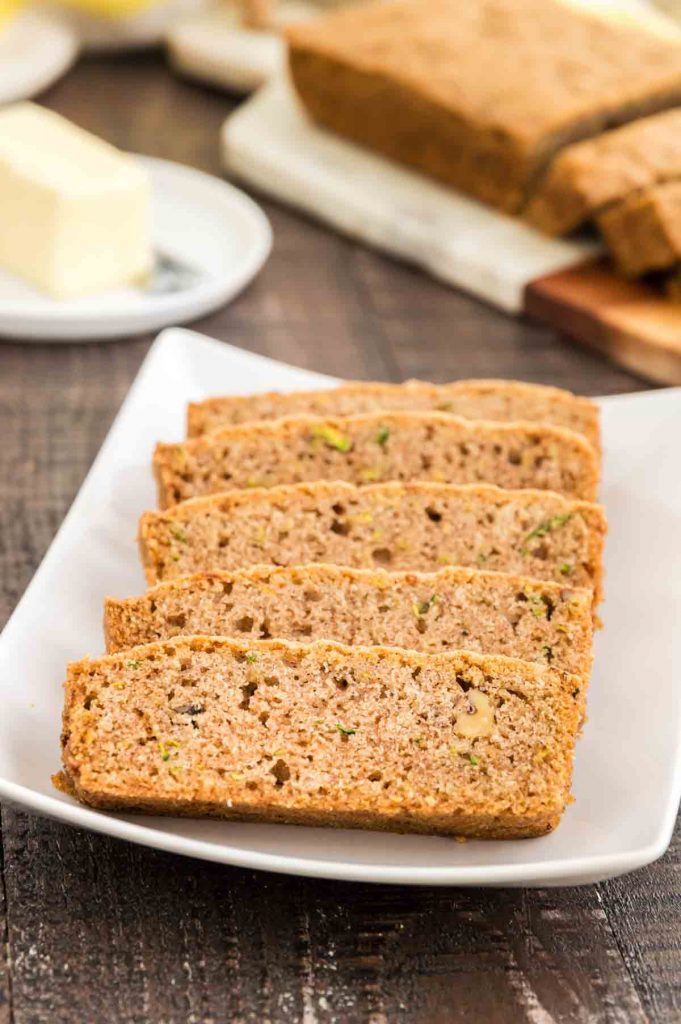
(644, 232)
(589, 176)
(154, 760)
(408, 83)
(378, 446)
(487, 399)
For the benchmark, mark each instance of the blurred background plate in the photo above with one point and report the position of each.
(215, 47)
(36, 49)
(210, 240)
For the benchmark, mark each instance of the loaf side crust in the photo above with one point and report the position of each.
(479, 96)
(588, 176)
(644, 232)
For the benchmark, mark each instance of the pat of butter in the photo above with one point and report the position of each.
(75, 213)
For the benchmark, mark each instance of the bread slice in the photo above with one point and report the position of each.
(500, 400)
(323, 734)
(378, 446)
(480, 95)
(453, 609)
(644, 232)
(589, 176)
(410, 527)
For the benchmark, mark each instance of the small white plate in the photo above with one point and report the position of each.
(36, 48)
(200, 223)
(628, 765)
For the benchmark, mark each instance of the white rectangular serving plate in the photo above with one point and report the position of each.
(628, 765)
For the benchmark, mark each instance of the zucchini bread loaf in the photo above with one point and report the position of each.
(453, 609)
(644, 232)
(378, 446)
(499, 400)
(482, 94)
(588, 176)
(407, 527)
(322, 734)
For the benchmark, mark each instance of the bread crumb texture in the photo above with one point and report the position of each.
(323, 734)
(375, 447)
(454, 609)
(408, 527)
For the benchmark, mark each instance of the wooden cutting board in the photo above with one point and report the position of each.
(628, 321)
(271, 144)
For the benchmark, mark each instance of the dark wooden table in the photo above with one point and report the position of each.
(93, 930)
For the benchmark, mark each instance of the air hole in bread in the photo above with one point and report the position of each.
(248, 690)
(244, 624)
(433, 515)
(383, 556)
(341, 527)
(281, 772)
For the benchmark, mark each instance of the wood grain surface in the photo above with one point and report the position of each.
(93, 930)
(632, 322)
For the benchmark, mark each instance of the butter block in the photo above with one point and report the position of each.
(75, 213)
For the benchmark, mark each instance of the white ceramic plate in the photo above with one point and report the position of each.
(213, 229)
(628, 768)
(36, 48)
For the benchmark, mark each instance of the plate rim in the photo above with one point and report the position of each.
(565, 871)
(64, 323)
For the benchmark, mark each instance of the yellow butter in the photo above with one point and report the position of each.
(75, 213)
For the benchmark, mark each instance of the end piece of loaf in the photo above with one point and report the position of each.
(374, 447)
(644, 232)
(453, 609)
(410, 527)
(479, 95)
(322, 734)
(500, 400)
(588, 176)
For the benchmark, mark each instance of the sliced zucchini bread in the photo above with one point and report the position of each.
(375, 447)
(323, 734)
(411, 527)
(501, 400)
(453, 609)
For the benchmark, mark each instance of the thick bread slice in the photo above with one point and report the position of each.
(644, 232)
(374, 447)
(589, 176)
(323, 734)
(454, 609)
(500, 400)
(390, 526)
(482, 94)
